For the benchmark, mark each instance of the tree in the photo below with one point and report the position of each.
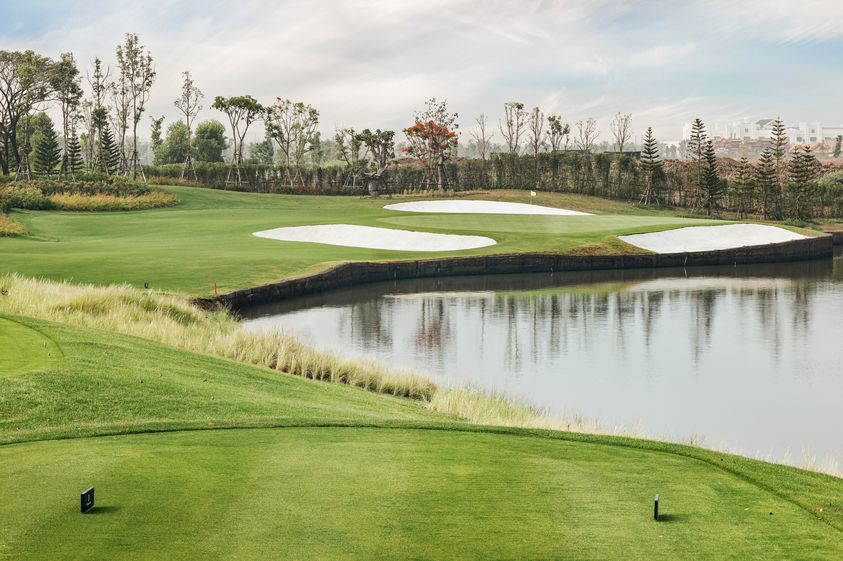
(138, 74)
(96, 112)
(350, 150)
(587, 134)
(24, 84)
(778, 145)
(209, 141)
(172, 150)
(482, 138)
(73, 160)
(766, 182)
(47, 151)
(262, 152)
(155, 132)
(242, 111)
(109, 157)
(837, 145)
(433, 139)
(653, 168)
(535, 126)
(291, 125)
(556, 131)
(803, 170)
(712, 186)
(380, 145)
(696, 152)
(122, 102)
(65, 82)
(743, 187)
(621, 130)
(512, 125)
(189, 105)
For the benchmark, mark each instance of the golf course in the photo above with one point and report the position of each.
(206, 442)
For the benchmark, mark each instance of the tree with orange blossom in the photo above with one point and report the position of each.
(433, 140)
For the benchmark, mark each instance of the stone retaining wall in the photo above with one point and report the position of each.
(349, 274)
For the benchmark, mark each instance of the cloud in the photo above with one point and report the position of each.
(372, 63)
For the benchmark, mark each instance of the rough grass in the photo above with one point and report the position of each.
(105, 202)
(173, 321)
(11, 228)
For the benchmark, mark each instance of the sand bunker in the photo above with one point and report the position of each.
(708, 238)
(481, 207)
(375, 238)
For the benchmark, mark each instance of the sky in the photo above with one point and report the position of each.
(373, 63)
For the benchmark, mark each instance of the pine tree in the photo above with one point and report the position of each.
(743, 187)
(651, 165)
(712, 188)
(74, 154)
(47, 151)
(696, 151)
(766, 180)
(803, 168)
(109, 154)
(778, 144)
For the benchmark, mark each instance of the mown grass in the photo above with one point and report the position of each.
(207, 238)
(354, 475)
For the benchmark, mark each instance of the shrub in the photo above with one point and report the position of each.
(105, 202)
(10, 228)
(22, 195)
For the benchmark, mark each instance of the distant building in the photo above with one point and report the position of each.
(749, 138)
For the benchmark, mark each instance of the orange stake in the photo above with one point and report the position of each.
(215, 287)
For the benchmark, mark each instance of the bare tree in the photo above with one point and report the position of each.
(512, 125)
(587, 134)
(622, 130)
(481, 137)
(120, 118)
(138, 74)
(96, 116)
(291, 125)
(536, 139)
(189, 103)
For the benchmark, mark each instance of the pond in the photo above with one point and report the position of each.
(746, 358)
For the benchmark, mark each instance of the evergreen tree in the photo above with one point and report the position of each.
(712, 188)
(696, 152)
(743, 187)
(651, 165)
(73, 157)
(778, 144)
(109, 153)
(837, 145)
(766, 182)
(47, 151)
(803, 168)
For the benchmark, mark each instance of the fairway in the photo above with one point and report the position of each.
(23, 348)
(208, 239)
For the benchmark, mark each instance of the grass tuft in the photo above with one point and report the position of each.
(10, 228)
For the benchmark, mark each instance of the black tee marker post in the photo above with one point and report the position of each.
(87, 499)
(655, 508)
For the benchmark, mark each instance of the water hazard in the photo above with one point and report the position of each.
(748, 358)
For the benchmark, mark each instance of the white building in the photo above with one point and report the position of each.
(746, 129)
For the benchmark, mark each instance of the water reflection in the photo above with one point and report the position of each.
(748, 356)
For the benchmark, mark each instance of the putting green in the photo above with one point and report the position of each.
(23, 348)
(369, 493)
(561, 225)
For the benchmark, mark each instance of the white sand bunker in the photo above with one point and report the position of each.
(375, 238)
(481, 207)
(708, 238)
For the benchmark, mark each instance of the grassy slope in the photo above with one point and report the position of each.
(378, 488)
(208, 237)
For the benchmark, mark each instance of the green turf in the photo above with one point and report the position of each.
(23, 348)
(346, 474)
(207, 238)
